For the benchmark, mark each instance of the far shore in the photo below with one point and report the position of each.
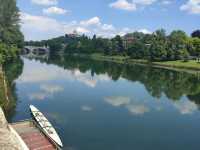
(190, 66)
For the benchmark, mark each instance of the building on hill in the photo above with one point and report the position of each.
(72, 35)
(128, 40)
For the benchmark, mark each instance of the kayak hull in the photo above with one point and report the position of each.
(45, 125)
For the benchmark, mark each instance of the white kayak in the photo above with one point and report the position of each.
(45, 125)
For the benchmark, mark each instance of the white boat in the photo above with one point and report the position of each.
(46, 125)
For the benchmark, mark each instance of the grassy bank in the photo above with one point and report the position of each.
(191, 64)
(179, 64)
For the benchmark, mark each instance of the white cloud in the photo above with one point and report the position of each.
(44, 27)
(191, 6)
(108, 27)
(186, 107)
(145, 31)
(144, 2)
(132, 106)
(84, 78)
(51, 89)
(82, 30)
(55, 10)
(40, 27)
(46, 91)
(45, 2)
(42, 74)
(138, 109)
(117, 100)
(86, 108)
(123, 5)
(166, 2)
(130, 5)
(92, 21)
(41, 23)
(38, 96)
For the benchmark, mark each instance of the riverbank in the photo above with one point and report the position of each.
(4, 98)
(190, 66)
(9, 140)
(2, 89)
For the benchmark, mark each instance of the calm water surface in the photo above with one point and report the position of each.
(106, 106)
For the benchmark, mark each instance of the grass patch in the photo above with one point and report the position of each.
(191, 64)
(118, 59)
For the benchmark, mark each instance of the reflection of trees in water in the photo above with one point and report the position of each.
(160, 81)
(157, 81)
(195, 98)
(12, 71)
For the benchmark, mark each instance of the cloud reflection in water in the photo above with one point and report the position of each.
(43, 73)
(46, 91)
(186, 107)
(135, 108)
(86, 108)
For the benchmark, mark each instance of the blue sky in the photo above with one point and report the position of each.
(43, 19)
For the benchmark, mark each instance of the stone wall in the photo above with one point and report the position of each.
(8, 140)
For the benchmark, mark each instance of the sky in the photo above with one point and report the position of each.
(44, 19)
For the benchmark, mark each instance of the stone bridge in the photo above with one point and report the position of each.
(36, 52)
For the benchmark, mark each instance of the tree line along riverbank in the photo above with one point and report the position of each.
(157, 46)
(11, 42)
(176, 49)
(11, 38)
(180, 64)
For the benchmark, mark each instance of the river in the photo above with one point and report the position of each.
(106, 106)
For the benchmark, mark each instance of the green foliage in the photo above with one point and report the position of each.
(138, 51)
(196, 34)
(7, 52)
(12, 70)
(172, 84)
(194, 46)
(157, 46)
(10, 36)
(177, 42)
(117, 43)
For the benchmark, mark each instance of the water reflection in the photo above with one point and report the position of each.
(186, 107)
(118, 100)
(157, 82)
(103, 105)
(12, 70)
(86, 108)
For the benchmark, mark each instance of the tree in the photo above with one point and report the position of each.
(158, 46)
(194, 46)
(10, 36)
(117, 43)
(138, 50)
(177, 42)
(196, 33)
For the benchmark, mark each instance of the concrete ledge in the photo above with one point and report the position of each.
(9, 140)
(21, 142)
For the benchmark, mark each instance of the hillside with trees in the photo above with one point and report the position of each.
(157, 46)
(11, 38)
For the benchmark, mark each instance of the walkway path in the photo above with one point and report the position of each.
(8, 140)
(34, 139)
